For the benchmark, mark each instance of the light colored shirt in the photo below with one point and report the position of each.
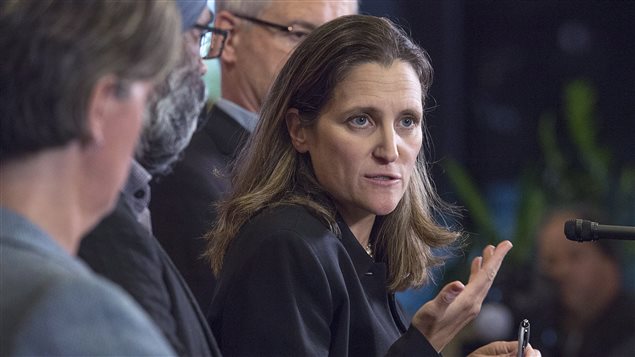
(246, 119)
(136, 194)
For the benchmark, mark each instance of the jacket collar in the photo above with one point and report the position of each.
(225, 131)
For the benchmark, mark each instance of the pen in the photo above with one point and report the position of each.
(523, 337)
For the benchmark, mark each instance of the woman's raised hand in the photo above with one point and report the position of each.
(440, 319)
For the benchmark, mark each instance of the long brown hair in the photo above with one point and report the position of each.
(269, 171)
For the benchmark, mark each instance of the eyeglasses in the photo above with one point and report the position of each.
(212, 41)
(298, 32)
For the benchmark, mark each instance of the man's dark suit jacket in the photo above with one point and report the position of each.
(182, 202)
(123, 251)
(290, 287)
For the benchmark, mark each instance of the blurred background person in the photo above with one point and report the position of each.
(75, 77)
(576, 301)
(122, 247)
(593, 316)
(262, 34)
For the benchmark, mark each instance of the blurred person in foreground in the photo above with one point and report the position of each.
(332, 210)
(74, 80)
(122, 247)
(262, 34)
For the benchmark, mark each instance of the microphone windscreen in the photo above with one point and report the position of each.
(569, 230)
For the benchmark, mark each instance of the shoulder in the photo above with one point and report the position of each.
(121, 221)
(294, 218)
(202, 171)
(26, 271)
(26, 274)
(210, 145)
(85, 315)
(287, 223)
(117, 239)
(283, 251)
(202, 149)
(286, 235)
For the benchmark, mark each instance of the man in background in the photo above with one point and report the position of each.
(74, 80)
(122, 247)
(262, 36)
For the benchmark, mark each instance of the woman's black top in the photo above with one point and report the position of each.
(290, 287)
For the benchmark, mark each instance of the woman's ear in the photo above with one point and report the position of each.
(297, 131)
(225, 20)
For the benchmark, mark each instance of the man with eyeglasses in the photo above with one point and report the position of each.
(122, 247)
(262, 35)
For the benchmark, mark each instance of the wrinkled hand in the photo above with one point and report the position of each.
(504, 349)
(440, 319)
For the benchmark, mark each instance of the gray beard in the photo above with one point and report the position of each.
(171, 119)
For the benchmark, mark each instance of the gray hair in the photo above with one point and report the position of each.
(244, 7)
(251, 7)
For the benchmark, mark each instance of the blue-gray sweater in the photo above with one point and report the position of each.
(51, 304)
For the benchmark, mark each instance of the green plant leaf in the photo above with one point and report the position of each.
(580, 99)
(531, 208)
(472, 198)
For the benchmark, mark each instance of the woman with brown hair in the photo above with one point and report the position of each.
(332, 209)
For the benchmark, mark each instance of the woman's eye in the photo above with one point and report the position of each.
(408, 122)
(360, 121)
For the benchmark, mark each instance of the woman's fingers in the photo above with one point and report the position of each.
(488, 252)
(485, 268)
(490, 262)
(475, 268)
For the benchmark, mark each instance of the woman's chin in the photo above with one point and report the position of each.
(385, 209)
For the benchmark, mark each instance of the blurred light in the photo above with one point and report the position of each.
(574, 38)
(501, 118)
(495, 322)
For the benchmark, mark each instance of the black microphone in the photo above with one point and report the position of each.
(583, 231)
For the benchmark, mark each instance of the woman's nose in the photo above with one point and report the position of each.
(386, 148)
